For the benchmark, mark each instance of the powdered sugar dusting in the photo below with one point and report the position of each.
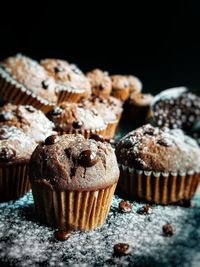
(24, 242)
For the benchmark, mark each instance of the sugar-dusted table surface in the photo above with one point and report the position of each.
(24, 242)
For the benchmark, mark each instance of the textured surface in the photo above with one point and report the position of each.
(23, 242)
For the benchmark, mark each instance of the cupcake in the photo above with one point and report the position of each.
(75, 118)
(33, 122)
(120, 87)
(15, 152)
(24, 81)
(109, 108)
(100, 82)
(160, 166)
(176, 108)
(73, 180)
(76, 83)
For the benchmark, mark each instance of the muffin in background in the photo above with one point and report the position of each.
(77, 85)
(24, 81)
(160, 166)
(135, 84)
(120, 87)
(100, 82)
(15, 152)
(73, 180)
(76, 118)
(33, 122)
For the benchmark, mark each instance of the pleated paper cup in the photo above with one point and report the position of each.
(122, 94)
(157, 187)
(14, 182)
(78, 210)
(69, 94)
(13, 91)
(86, 133)
(111, 129)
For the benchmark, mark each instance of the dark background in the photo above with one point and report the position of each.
(156, 41)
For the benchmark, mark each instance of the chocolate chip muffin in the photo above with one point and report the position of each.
(100, 82)
(73, 180)
(120, 87)
(76, 118)
(158, 165)
(24, 81)
(15, 152)
(176, 108)
(135, 84)
(33, 122)
(76, 83)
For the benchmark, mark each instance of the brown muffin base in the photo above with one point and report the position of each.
(158, 188)
(14, 182)
(78, 210)
(71, 96)
(121, 94)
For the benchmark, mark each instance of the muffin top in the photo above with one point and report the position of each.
(67, 74)
(150, 148)
(30, 74)
(100, 82)
(139, 99)
(15, 145)
(69, 116)
(120, 82)
(176, 108)
(32, 121)
(135, 84)
(71, 162)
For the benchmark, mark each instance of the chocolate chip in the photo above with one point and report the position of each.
(6, 154)
(68, 152)
(97, 137)
(125, 206)
(62, 235)
(45, 84)
(168, 230)
(128, 143)
(144, 210)
(87, 158)
(52, 139)
(101, 86)
(122, 249)
(58, 69)
(77, 124)
(5, 116)
(55, 111)
(165, 142)
(30, 109)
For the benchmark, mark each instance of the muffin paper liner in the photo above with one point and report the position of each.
(79, 210)
(69, 94)
(13, 91)
(157, 187)
(14, 182)
(121, 94)
(111, 129)
(87, 133)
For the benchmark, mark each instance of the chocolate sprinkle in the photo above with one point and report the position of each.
(125, 206)
(144, 210)
(52, 139)
(168, 230)
(62, 235)
(122, 249)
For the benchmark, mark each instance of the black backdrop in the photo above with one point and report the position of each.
(157, 41)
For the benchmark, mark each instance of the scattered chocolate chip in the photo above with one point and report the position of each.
(5, 116)
(125, 206)
(62, 235)
(87, 158)
(77, 124)
(45, 84)
(6, 154)
(55, 111)
(168, 230)
(68, 152)
(144, 210)
(58, 69)
(97, 137)
(52, 139)
(30, 109)
(101, 86)
(122, 249)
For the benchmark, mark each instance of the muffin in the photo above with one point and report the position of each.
(100, 82)
(33, 122)
(24, 81)
(15, 152)
(73, 180)
(109, 108)
(76, 83)
(120, 87)
(75, 118)
(135, 84)
(176, 108)
(160, 166)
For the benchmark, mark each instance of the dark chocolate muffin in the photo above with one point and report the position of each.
(25, 81)
(32, 121)
(76, 118)
(158, 165)
(73, 180)
(15, 152)
(176, 108)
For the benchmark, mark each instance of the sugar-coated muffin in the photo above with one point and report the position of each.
(176, 108)
(15, 152)
(33, 122)
(25, 81)
(76, 118)
(100, 82)
(73, 180)
(77, 84)
(158, 165)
